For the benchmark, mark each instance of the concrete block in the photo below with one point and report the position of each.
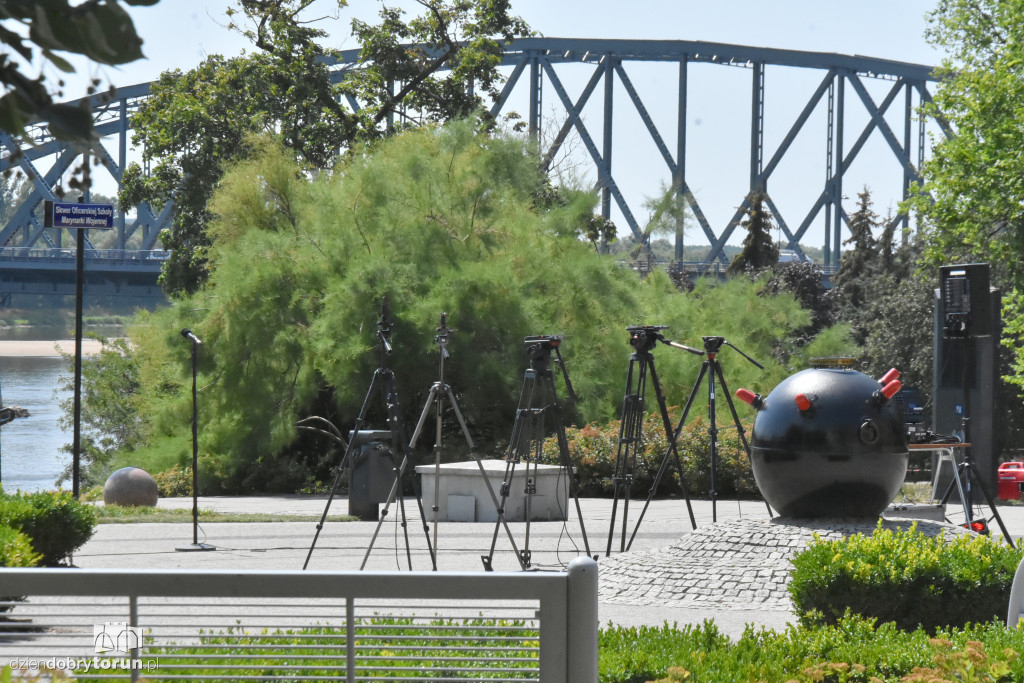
(461, 508)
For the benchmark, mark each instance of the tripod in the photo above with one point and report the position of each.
(438, 392)
(384, 383)
(962, 472)
(641, 364)
(957, 327)
(536, 400)
(712, 369)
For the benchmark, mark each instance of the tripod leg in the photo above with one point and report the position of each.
(344, 460)
(627, 434)
(959, 487)
(673, 450)
(480, 465)
(991, 503)
(739, 426)
(636, 435)
(433, 399)
(330, 498)
(506, 484)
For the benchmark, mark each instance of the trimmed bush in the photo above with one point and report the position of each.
(594, 448)
(56, 523)
(15, 551)
(855, 649)
(904, 577)
(175, 482)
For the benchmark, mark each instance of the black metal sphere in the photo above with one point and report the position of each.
(826, 443)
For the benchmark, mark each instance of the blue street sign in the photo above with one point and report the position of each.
(76, 215)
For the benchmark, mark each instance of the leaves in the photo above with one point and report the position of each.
(974, 206)
(195, 124)
(101, 31)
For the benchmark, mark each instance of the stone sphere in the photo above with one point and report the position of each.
(827, 443)
(130, 486)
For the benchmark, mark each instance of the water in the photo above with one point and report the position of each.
(30, 447)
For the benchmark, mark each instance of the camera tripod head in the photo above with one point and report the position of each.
(443, 335)
(539, 349)
(713, 345)
(645, 337)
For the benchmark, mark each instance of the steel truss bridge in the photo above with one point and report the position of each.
(597, 92)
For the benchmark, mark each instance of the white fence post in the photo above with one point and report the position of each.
(583, 621)
(1016, 608)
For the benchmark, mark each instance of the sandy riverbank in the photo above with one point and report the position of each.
(45, 349)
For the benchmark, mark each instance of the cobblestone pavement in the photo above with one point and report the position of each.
(734, 564)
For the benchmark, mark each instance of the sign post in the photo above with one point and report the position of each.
(78, 216)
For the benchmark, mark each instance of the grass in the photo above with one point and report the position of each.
(117, 514)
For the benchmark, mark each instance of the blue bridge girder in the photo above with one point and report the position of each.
(536, 64)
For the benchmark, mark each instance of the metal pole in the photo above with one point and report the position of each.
(76, 446)
(195, 451)
(196, 545)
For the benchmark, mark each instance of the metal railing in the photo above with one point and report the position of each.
(288, 625)
(33, 254)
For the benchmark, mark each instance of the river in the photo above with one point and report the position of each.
(30, 447)
(31, 458)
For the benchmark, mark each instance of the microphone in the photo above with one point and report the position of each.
(187, 334)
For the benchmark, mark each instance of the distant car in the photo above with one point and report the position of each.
(788, 256)
(1010, 476)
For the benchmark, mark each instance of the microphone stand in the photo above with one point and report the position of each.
(195, 545)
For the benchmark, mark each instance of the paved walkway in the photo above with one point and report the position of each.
(733, 569)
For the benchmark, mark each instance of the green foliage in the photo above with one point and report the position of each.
(392, 646)
(858, 265)
(112, 421)
(972, 200)
(100, 31)
(54, 521)
(174, 482)
(904, 577)
(16, 549)
(759, 249)
(195, 124)
(439, 220)
(593, 450)
(399, 83)
(855, 649)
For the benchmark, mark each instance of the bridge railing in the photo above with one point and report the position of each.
(295, 625)
(59, 254)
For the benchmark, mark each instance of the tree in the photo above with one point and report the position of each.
(859, 264)
(111, 419)
(196, 123)
(440, 219)
(759, 249)
(972, 201)
(101, 31)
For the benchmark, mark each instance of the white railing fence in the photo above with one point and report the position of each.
(302, 626)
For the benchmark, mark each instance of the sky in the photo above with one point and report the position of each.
(181, 33)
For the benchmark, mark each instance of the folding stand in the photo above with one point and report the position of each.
(384, 383)
(436, 398)
(712, 345)
(536, 400)
(641, 364)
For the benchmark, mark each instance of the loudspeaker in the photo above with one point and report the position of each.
(965, 301)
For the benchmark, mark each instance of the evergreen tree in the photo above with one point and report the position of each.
(759, 248)
(859, 264)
